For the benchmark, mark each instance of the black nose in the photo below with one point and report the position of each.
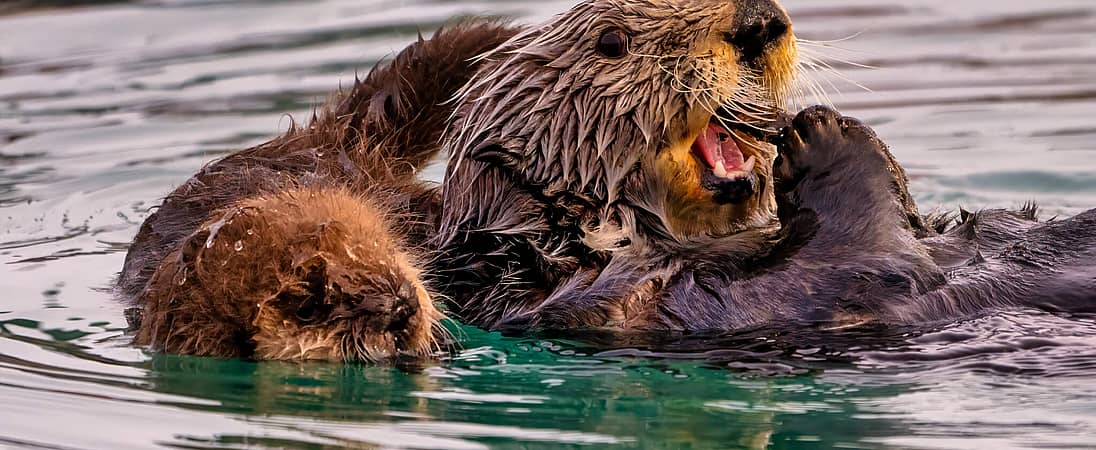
(757, 23)
(405, 305)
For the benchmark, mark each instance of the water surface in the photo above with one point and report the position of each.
(106, 106)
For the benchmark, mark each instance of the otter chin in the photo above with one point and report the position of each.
(730, 178)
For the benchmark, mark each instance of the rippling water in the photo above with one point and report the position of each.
(106, 106)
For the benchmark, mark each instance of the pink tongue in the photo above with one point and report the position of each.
(717, 147)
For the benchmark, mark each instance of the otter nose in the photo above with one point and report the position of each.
(757, 23)
(405, 305)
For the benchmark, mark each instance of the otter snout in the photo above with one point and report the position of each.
(756, 25)
(403, 305)
(322, 289)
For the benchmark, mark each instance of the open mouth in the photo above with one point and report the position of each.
(728, 173)
(717, 147)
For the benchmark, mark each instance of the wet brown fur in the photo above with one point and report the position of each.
(286, 276)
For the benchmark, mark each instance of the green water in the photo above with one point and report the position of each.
(106, 106)
(938, 390)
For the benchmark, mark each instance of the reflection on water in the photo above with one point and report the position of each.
(107, 105)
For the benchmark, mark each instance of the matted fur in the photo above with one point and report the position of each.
(371, 137)
(298, 274)
(557, 153)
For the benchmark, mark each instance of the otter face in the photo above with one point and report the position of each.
(330, 306)
(648, 106)
(718, 172)
(347, 292)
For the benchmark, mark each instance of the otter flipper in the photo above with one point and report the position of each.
(1051, 266)
(837, 177)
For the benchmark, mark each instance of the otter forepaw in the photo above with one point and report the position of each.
(821, 142)
(837, 170)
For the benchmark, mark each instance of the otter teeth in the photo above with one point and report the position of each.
(741, 171)
(749, 165)
(719, 171)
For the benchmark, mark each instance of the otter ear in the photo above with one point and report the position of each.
(496, 155)
(304, 296)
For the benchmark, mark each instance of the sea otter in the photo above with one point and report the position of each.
(614, 167)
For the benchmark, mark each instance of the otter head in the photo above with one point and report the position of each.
(648, 109)
(301, 274)
(347, 290)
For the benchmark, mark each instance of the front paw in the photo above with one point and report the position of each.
(820, 143)
(832, 163)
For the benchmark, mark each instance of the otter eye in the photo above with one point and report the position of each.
(613, 43)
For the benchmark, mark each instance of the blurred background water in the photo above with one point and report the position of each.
(106, 106)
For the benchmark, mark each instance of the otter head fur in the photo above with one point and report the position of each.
(609, 101)
(303, 274)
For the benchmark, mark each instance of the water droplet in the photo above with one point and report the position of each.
(239, 245)
(250, 232)
(214, 229)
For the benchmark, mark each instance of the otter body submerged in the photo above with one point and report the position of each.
(604, 173)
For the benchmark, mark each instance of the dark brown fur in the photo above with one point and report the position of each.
(290, 275)
(370, 138)
(846, 253)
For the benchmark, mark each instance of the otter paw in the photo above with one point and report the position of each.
(833, 151)
(820, 141)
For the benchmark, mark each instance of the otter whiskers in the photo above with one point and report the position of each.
(715, 86)
(742, 92)
(814, 63)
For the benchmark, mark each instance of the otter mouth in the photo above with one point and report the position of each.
(727, 172)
